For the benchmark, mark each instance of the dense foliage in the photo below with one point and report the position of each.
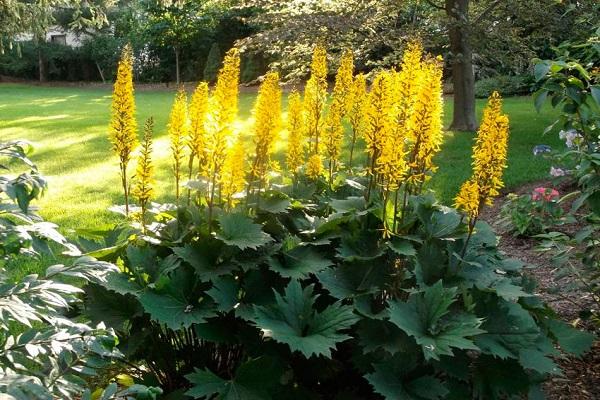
(44, 354)
(328, 282)
(572, 82)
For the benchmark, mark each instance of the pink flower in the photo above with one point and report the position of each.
(544, 193)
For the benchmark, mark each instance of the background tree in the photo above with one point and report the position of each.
(35, 17)
(461, 30)
(172, 24)
(213, 63)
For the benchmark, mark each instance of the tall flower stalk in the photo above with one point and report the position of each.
(489, 162)
(223, 108)
(425, 131)
(267, 121)
(357, 112)
(232, 179)
(380, 122)
(143, 189)
(315, 98)
(342, 90)
(296, 143)
(197, 133)
(178, 132)
(123, 125)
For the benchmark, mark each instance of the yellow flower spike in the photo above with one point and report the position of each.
(232, 178)
(178, 132)
(314, 166)
(468, 199)
(489, 161)
(333, 135)
(425, 129)
(144, 175)
(123, 125)
(358, 111)
(197, 136)
(379, 117)
(315, 97)
(223, 108)
(296, 142)
(267, 123)
(407, 83)
(490, 150)
(342, 89)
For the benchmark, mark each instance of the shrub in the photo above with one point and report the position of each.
(572, 82)
(354, 286)
(506, 85)
(43, 353)
(531, 215)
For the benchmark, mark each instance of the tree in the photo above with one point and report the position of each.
(35, 17)
(174, 23)
(462, 30)
(213, 63)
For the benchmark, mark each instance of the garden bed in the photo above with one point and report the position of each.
(581, 379)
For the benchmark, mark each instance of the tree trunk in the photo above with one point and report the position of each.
(177, 77)
(42, 65)
(462, 66)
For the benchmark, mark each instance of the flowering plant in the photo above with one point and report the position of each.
(532, 214)
(547, 194)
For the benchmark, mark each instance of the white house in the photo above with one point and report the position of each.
(57, 34)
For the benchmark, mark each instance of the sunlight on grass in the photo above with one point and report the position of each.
(72, 149)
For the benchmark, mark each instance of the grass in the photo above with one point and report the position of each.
(68, 127)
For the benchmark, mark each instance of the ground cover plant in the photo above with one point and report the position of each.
(325, 281)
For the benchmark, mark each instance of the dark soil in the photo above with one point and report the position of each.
(581, 377)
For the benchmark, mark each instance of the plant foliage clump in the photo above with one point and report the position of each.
(357, 285)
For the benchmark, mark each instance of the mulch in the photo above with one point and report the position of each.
(581, 376)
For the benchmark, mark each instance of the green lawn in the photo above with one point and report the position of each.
(69, 129)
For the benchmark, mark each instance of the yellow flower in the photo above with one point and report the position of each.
(425, 130)
(333, 134)
(296, 140)
(343, 82)
(223, 107)
(178, 131)
(489, 160)
(232, 177)
(489, 152)
(315, 97)
(267, 122)
(358, 111)
(123, 125)
(407, 84)
(468, 199)
(379, 115)
(144, 175)
(314, 167)
(197, 135)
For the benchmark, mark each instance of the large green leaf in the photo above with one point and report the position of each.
(204, 258)
(300, 262)
(350, 280)
(570, 339)
(294, 321)
(253, 381)
(394, 380)
(239, 230)
(225, 292)
(512, 333)
(175, 311)
(427, 317)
